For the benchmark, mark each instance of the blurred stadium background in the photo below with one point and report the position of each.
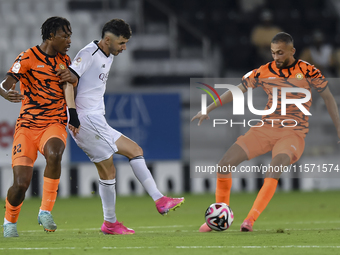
(149, 84)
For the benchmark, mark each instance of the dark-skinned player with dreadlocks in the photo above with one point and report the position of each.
(41, 125)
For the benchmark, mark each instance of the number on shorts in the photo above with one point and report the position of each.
(17, 149)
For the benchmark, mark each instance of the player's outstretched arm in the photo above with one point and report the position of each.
(73, 124)
(332, 108)
(226, 97)
(8, 91)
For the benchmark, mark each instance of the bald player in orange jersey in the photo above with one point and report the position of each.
(286, 144)
(41, 125)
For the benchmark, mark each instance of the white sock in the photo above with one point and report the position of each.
(6, 221)
(145, 178)
(44, 211)
(107, 192)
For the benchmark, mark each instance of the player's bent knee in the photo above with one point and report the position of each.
(137, 151)
(106, 169)
(53, 157)
(282, 159)
(21, 187)
(226, 162)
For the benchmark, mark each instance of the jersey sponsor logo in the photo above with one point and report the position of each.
(104, 76)
(16, 67)
(61, 66)
(40, 66)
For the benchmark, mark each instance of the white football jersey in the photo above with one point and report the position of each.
(92, 66)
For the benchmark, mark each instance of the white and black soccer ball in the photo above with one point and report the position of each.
(219, 216)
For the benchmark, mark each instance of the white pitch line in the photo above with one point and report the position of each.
(170, 226)
(41, 248)
(263, 223)
(188, 226)
(303, 222)
(141, 227)
(173, 231)
(183, 247)
(260, 247)
(168, 231)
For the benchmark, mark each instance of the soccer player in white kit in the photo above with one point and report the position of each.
(96, 138)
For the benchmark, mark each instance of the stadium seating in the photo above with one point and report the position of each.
(159, 59)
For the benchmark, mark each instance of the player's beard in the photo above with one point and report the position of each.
(283, 65)
(113, 51)
(117, 52)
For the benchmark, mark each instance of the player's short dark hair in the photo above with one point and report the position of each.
(118, 27)
(51, 25)
(283, 37)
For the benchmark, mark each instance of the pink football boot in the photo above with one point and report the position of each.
(246, 226)
(165, 204)
(116, 228)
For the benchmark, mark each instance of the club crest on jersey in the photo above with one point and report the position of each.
(77, 61)
(299, 76)
(61, 66)
(16, 67)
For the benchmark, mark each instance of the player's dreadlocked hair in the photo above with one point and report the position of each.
(51, 25)
(283, 37)
(118, 27)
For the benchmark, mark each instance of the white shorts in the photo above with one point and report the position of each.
(96, 138)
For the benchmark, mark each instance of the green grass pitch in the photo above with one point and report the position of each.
(293, 223)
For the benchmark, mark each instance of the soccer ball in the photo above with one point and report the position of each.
(219, 216)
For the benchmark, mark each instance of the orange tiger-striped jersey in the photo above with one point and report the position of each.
(44, 102)
(298, 75)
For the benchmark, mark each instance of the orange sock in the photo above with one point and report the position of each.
(12, 212)
(49, 196)
(223, 187)
(263, 197)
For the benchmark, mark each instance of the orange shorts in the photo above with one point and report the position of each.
(260, 140)
(27, 142)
